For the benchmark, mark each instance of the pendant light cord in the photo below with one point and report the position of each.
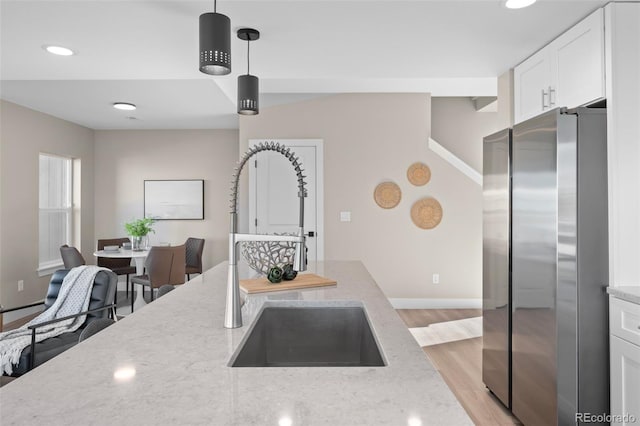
(214, 6)
(248, 55)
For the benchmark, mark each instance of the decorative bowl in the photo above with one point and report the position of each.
(262, 255)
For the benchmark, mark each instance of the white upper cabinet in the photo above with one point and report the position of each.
(568, 72)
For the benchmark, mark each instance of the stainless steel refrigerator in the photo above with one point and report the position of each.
(559, 269)
(496, 265)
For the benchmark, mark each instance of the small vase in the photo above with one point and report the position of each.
(138, 243)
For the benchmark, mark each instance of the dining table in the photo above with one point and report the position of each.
(139, 257)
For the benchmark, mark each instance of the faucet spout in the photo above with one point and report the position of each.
(233, 313)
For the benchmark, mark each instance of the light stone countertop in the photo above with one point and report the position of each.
(628, 293)
(167, 365)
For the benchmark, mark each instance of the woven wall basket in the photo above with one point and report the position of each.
(419, 174)
(387, 195)
(426, 213)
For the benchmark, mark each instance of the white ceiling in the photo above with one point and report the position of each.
(146, 52)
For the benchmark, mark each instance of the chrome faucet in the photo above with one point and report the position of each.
(233, 314)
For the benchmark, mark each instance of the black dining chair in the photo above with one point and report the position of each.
(193, 260)
(71, 257)
(121, 266)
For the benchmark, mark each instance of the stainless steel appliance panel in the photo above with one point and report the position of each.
(496, 265)
(593, 262)
(567, 292)
(534, 269)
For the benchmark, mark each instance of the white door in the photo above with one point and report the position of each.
(273, 193)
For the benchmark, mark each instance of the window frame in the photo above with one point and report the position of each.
(47, 267)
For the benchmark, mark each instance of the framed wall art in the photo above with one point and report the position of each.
(174, 199)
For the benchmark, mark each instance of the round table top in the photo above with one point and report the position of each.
(121, 253)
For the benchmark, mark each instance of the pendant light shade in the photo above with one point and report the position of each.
(248, 94)
(248, 85)
(215, 43)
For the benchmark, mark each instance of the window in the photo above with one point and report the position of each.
(56, 209)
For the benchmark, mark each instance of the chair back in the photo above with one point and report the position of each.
(165, 265)
(164, 289)
(102, 292)
(112, 262)
(194, 249)
(178, 265)
(71, 257)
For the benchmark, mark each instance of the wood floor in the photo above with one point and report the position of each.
(460, 365)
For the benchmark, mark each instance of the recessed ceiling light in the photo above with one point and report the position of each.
(124, 106)
(59, 50)
(518, 4)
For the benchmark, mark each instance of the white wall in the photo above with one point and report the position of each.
(124, 159)
(371, 138)
(457, 126)
(24, 134)
(623, 141)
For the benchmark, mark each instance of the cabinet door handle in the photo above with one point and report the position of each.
(544, 99)
(552, 96)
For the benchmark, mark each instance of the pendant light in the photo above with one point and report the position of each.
(215, 43)
(248, 85)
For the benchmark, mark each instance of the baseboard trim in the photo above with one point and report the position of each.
(10, 317)
(400, 303)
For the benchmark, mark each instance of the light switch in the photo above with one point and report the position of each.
(345, 216)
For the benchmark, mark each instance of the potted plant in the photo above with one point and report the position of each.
(138, 230)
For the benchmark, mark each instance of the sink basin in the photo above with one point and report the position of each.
(290, 334)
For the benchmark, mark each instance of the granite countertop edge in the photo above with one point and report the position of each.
(628, 293)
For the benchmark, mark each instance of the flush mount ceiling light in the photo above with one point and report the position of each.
(215, 43)
(58, 50)
(124, 106)
(518, 4)
(248, 85)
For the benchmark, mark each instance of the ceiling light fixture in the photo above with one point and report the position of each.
(59, 50)
(124, 106)
(215, 43)
(518, 4)
(248, 85)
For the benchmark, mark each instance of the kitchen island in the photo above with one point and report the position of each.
(167, 364)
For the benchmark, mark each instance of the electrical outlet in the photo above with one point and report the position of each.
(345, 216)
(436, 278)
(20, 285)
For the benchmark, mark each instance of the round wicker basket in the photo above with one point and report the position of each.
(387, 195)
(426, 213)
(419, 174)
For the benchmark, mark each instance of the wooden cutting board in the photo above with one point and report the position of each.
(262, 285)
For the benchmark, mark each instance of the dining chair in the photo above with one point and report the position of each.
(194, 249)
(164, 265)
(121, 266)
(164, 289)
(71, 257)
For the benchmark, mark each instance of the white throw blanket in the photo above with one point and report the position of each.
(73, 298)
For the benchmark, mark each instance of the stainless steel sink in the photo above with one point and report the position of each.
(290, 334)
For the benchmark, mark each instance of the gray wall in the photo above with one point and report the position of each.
(125, 158)
(371, 138)
(24, 134)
